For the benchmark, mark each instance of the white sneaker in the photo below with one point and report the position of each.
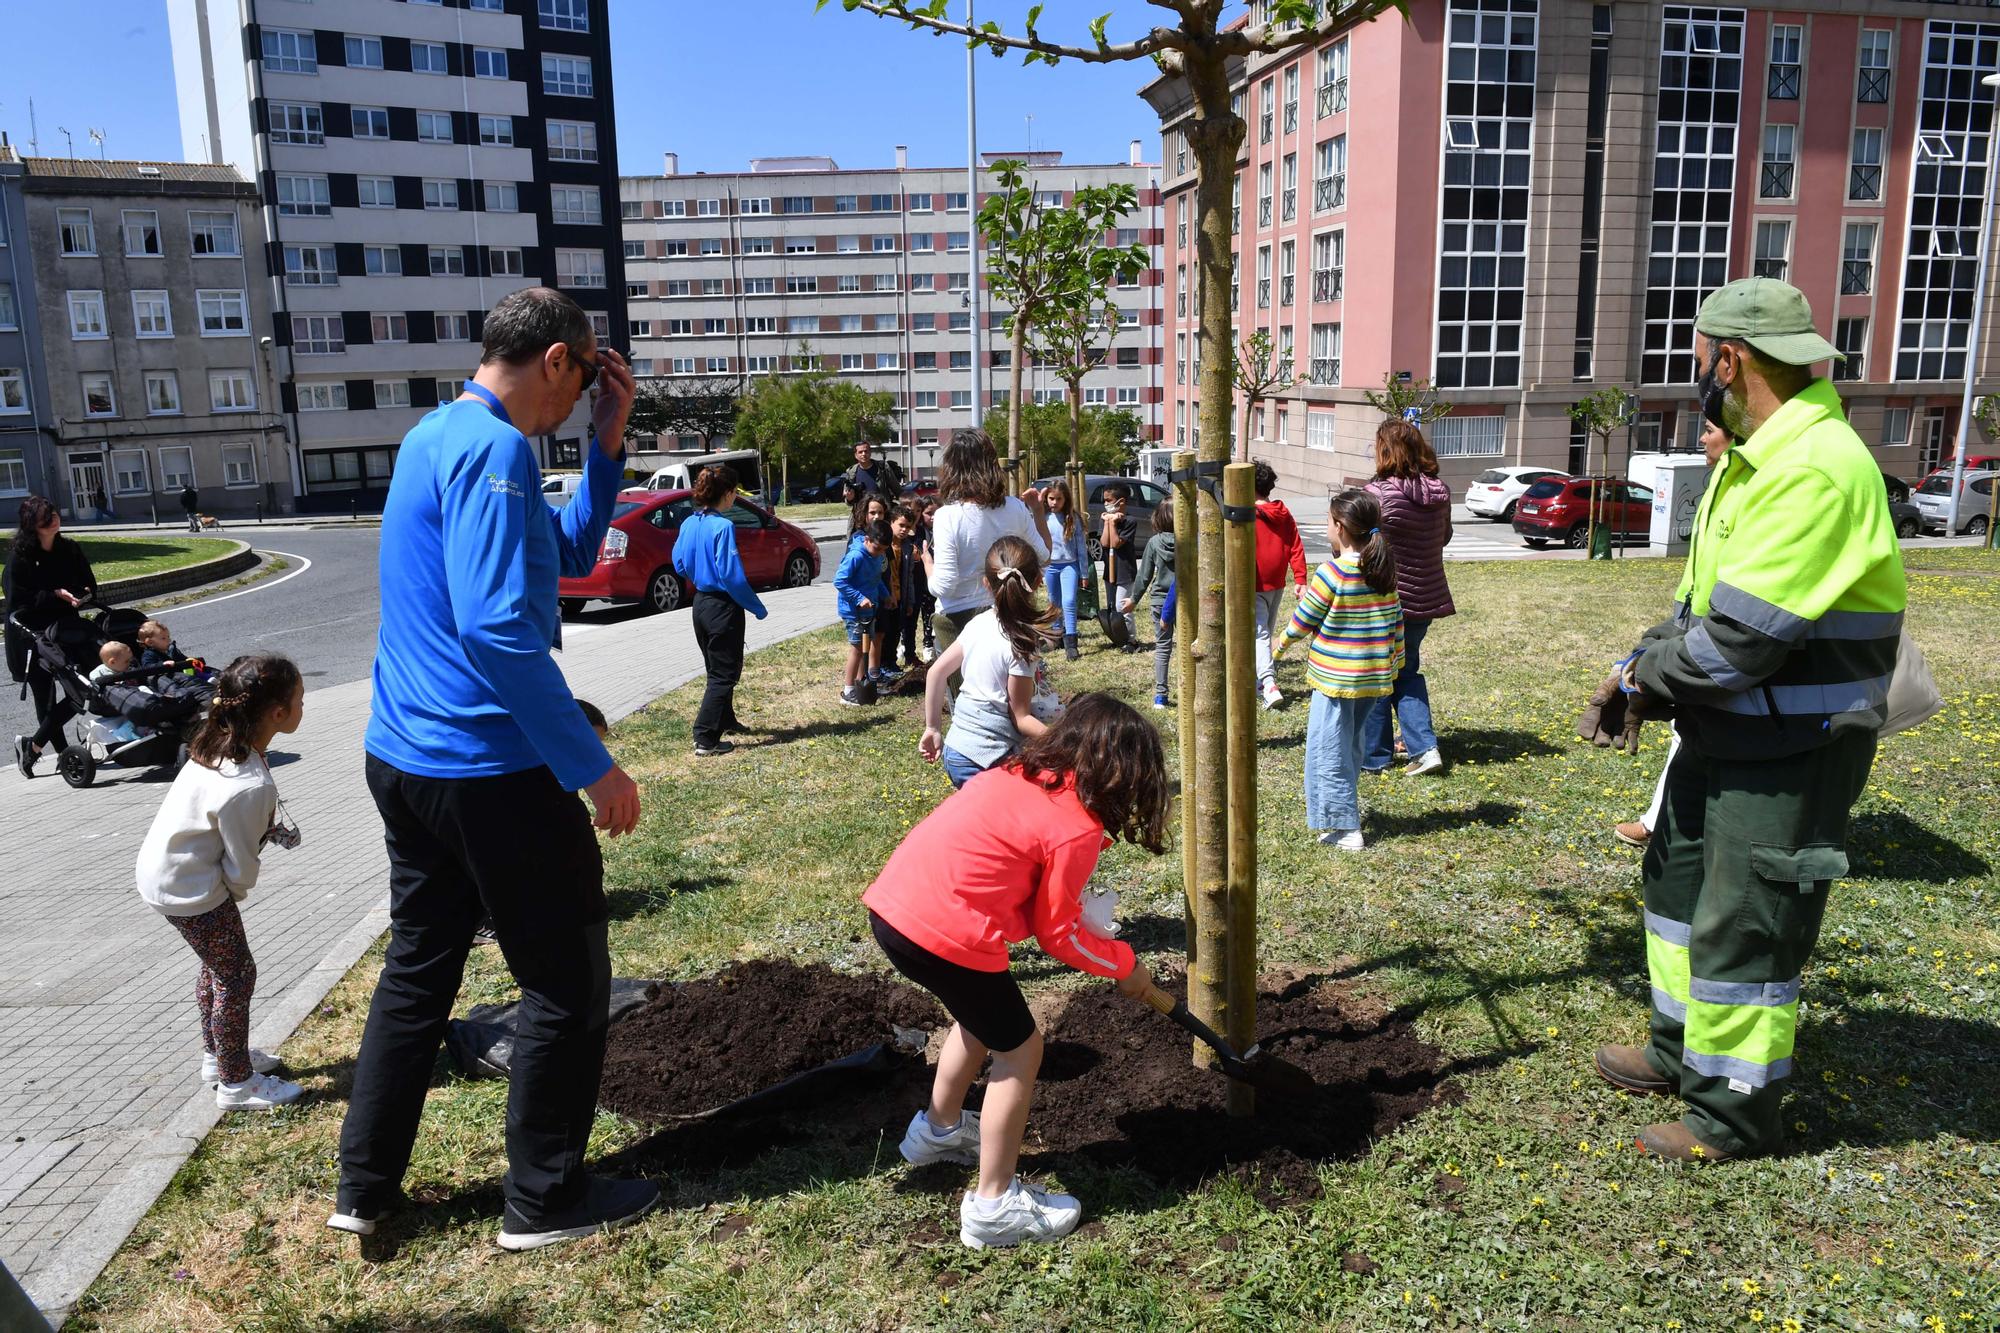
(260, 1063)
(1025, 1212)
(1430, 761)
(1346, 840)
(923, 1144)
(259, 1092)
(1273, 696)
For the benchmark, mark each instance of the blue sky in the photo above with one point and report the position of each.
(720, 81)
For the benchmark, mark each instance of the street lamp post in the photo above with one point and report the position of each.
(1975, 332)
(972, 228)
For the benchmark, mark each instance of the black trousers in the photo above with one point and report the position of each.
(519, 849)
(53, 709)
(889, 632)
(718, 632)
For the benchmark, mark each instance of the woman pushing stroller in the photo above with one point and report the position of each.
(48, 577)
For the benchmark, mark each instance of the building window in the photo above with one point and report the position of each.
(389, 328)
(296, 123)
(566, 15)
(1320, 429)
(1325, 367)
(496, 131)
(1864, 172)
(322, 396)
(230, 391)
(708, 208)
(848, 282)
(212, 235)
(290, 52)
(1773, 249)
(78, 235)
(304, 197)
(317, 335)
(1330, 175)
(1895, 427)
(1333, 79)
(239, 467)
(579, 268)
(1264, 192)
(429, 58)
(503, 196)
(98, 399)
(382, 261)
(375, 191)
(10, 318)
(369, 122)
(1291, 99)
(447, 261)
(576, 205)
(310, 266)
(957, 242)
(441, 196)
(847, 245)
(176, 464)
(1263, 277)
(1779, 163)
(883, 245)
(566, 76)
(1329, 265)
(573, 141)
(1460, 436)
(488, 63)
(129, 474)
(1850, 338)
(1287, 274)
(1267, 105)
(434, 127)
(152, 315)
(1694, 164)
(364, 53)
(453, 328)
(86, 315)
(797, 284)
(1786, 41)
(1955, 120)
(13, 389)
(754, 207)
(1857, 259)
(1288, 196)
(392, 393)
(506, 262)
(1873, 82)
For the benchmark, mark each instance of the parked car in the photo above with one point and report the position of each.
(1899, 490)
(1494, 492)
(1933, 498)
(558, 487)
(1146, 496)
(1909, 519)
(636, 562)
(923, 488)
(1558, 510)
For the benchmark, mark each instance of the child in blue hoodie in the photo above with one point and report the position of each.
(860, 591)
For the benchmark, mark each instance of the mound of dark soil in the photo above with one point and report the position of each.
(697, 1045)
(1118, 1087)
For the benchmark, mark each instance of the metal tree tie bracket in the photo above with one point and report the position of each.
(1207, 476)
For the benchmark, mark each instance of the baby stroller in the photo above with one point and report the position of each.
(136, 719)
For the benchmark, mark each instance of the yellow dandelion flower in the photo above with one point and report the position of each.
(1756, 1316)
(1751, 1287)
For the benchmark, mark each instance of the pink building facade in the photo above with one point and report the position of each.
(1526, 200)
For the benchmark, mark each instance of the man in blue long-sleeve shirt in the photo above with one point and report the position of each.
(476, 750)
(705, 555)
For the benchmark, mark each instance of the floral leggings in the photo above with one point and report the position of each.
(222, 994)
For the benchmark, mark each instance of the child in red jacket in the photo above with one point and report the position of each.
(1280, 550)
(1005, 858)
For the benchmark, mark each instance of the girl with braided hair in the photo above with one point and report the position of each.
(1005, 699)
(202, 855)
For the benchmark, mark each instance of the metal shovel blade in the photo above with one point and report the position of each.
(1257, 1068)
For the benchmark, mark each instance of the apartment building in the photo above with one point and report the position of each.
(1527, 200)
(728, 274)
(27, 458)
(147, 287)
(417, 160)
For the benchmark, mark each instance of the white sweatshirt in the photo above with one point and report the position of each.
(206, 841)
(961, 536)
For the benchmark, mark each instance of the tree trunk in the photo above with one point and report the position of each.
(1239, 488)
(1073, 470)
(1020, 351)
(1216, 133)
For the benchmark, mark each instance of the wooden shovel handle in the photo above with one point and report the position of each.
(1159, 999)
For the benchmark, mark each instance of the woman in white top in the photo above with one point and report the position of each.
(202, 855)
(974, 512)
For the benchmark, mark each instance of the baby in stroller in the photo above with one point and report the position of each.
(140, 714)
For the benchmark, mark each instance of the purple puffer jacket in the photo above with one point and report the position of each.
(1416, 518)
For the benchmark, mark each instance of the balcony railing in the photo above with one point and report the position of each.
(1263, 293)
(1291, 117)
(1287, 286)
(1328, 284)
(1864, 181)
(1784, 83)
(1180, 235)
(1180, 306)
(1767, 268)
(1288, 205)
(1264, 127)
(1235, 296)
(1330, 192)
(1873, 85)
(1333, 97)
(1857, 277)
(1326, 370)
(1264, 211)
(1776, 181)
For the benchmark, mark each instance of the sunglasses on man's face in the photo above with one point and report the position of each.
(587, 368)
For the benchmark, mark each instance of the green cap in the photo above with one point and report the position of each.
(1770, 315)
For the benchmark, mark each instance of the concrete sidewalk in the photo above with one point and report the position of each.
(99, 1096)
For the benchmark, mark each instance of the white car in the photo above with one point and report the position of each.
(1494, 493)
(1932, 497)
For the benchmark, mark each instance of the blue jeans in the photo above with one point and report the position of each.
(1062, 581)
(1411, 701)
(958, 768)
(1333, 762)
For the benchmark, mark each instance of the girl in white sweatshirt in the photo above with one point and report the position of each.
(202, 855)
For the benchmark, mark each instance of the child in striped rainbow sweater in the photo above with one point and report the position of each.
(1350, 616)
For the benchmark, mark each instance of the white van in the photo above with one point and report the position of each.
(748, 465)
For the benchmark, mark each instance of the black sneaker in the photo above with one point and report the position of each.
(713, 748)
(24, 756)
(851, 696)
(485, 935)
(605, 1204)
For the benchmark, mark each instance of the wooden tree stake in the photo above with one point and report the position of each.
(1240, 597)
(1187, 543)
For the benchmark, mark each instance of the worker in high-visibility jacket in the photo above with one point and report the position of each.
(1777, 666)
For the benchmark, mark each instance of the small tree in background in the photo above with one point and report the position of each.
(1260, 372)
(811, 418)
(1080, 318)
(1398, 396)
(1602, 414)
(1108, 444)
(685, 405)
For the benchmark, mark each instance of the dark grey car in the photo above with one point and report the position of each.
(1145, 496)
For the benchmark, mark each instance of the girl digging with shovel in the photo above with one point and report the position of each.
(1005, 858)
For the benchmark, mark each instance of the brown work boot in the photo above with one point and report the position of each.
(1677, 1143)
(1633, 834)
(1627, 1067)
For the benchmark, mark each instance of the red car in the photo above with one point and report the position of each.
(1559, 510)
(636, 562)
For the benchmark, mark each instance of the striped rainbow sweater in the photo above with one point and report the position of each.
(1355, 634)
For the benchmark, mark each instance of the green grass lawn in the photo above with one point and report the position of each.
(807, 513)
(1493, 907)
(129, 557)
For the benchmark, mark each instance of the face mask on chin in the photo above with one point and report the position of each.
(1718, 406)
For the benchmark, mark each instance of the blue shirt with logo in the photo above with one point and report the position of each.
(465, 685)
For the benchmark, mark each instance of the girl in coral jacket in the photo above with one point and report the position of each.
(1005, 858)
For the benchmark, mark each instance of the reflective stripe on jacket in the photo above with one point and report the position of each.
(1793, 596)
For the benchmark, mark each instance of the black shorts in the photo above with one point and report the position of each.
(989, 1005)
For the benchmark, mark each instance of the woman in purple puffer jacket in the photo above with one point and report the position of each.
(1416, 518)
